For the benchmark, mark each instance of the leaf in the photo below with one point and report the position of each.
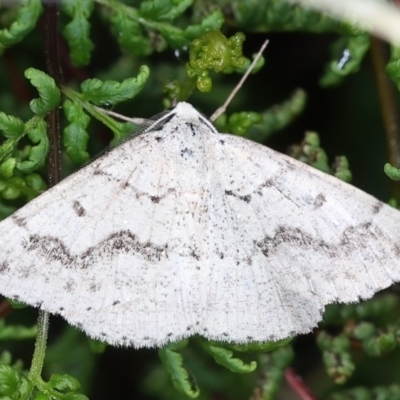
(255, 347)
(16, 332)
(37, 154)
(280, 16)
(224, 357)
(380, 343)
(270, 121)
(129, 33)
(12, 127)
(16, 186)
(16, 304)
(48, 91)
(213, 21)
(7, 167)
(163, 10)
(121, 130)
(77, 31)
(96, 346)
(382, 308)
(181, 377)
(349, 53)
(13, 385)
(336, 356)
(113, 92)
(392, 172)
(28, 14)
(213, 51)
(273, 366)
(64, 382)
(75, 137)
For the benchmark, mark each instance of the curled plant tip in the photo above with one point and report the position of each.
(109, 92)
(212, 50)
(181, 377)
(48, 91)
(27, 17)
(392, 172)
(225, 357)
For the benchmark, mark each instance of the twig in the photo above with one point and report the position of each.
(222, 109)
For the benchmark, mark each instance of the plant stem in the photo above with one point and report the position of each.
(40, 348)
(54, 173)
(389, 106)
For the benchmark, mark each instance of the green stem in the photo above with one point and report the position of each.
(35, 372)
(92, 110)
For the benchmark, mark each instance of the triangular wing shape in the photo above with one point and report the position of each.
(183, 230)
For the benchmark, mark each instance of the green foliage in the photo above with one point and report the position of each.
(17, 167)
(79, 105)
(392, 172)
(374, 342)
(140, 29)
(310, 152)
(336, 356)
(111, 92)
(393, 66)
(273, 365)
(16, 332)
(134, 28)
(256, 347)
(33, 157)
(276, 15)
(77, 31)
(162, 10)
(348, 53)
(59, 387)
(48, 92)
(75, 137)
(391, 392)
(212, 50)
(13, 384)
(224, 357)
(259, 126)
(384, 306)
(181, 377)
(26, 19)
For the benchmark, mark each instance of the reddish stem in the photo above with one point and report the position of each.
(298, 386)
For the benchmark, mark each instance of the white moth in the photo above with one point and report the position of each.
(183, 230)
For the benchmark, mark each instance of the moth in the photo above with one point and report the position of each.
(184, 230)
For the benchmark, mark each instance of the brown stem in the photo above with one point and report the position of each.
(54, 70)
(298, 385)
(389, 106)
(5, 309)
